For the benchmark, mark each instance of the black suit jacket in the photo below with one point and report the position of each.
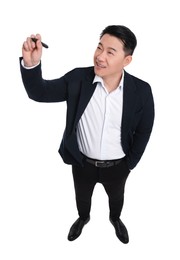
(76, 89)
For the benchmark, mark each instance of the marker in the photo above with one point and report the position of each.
(43, 44)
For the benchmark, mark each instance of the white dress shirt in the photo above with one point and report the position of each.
(99, 128)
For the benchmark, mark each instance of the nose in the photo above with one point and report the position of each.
(101, 56)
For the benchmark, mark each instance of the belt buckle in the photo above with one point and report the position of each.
(100, 164)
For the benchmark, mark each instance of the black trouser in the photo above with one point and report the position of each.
(112, 178)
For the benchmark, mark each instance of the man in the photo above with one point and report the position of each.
(110, 116)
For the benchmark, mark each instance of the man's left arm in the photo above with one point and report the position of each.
(142, 133)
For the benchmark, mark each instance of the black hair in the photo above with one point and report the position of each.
(124, 34)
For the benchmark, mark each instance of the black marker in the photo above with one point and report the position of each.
(43, 44)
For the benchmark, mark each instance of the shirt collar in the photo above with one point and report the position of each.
(99, 79)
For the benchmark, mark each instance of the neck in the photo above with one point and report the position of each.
(111, 83)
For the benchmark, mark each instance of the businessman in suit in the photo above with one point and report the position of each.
(109, 121)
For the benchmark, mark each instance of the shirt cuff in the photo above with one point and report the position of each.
(28, 68)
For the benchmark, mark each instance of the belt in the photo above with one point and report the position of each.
(103, 164)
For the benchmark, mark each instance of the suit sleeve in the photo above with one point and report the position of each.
(41, 90)
(142, 133)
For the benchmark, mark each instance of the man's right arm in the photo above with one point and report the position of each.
(41, 90)
(37, 88)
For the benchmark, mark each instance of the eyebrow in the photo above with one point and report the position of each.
(111, 48)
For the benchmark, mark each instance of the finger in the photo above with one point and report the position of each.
(38, 36)
(37, 40)
(33, 36)
(30, 43)
(26, 46)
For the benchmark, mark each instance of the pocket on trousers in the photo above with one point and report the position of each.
(126, 165)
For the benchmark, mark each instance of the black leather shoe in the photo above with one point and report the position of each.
(121, 231)
(76, 228)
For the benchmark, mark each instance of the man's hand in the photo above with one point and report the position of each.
(32, 51)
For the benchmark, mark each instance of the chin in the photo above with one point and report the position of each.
(98, 72)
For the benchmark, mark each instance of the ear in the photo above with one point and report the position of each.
(127, 60)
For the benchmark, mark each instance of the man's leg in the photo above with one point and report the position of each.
(85, 179)
(113, 180)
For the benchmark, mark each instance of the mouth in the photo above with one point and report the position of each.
(99, 65)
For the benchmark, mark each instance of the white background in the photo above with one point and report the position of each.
(37, 204)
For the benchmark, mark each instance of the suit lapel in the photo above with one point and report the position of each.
(129, 102)
(87, 90)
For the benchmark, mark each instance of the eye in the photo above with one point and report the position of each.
(111, 53)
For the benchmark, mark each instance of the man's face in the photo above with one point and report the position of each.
(109, 57)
